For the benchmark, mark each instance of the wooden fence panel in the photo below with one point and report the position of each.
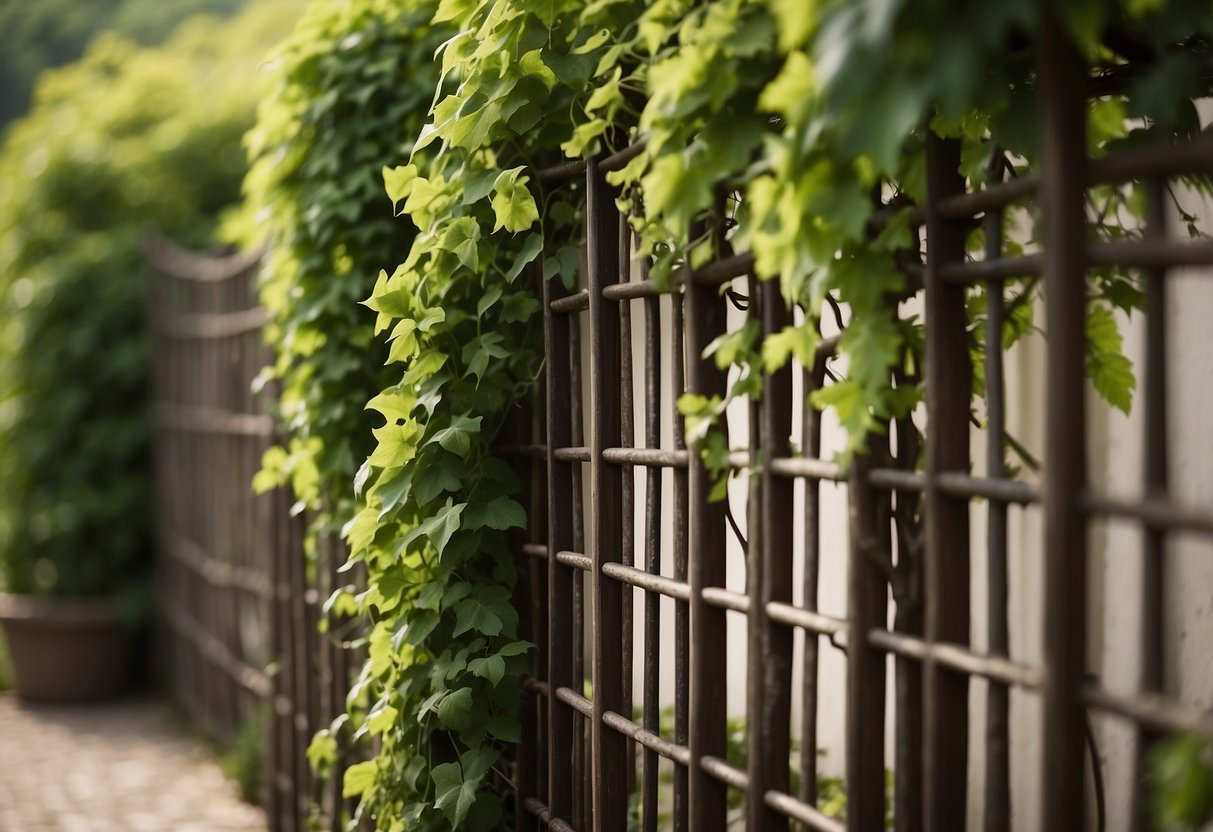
(238, 600)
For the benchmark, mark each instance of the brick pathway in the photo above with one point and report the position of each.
(117, 767)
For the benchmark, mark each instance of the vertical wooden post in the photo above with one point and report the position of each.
(769, 578)
(708, 798)
(1063, 167)
(946, 572)
(560, 482)
(609, 747)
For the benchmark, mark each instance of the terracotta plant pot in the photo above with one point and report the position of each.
(66, 649)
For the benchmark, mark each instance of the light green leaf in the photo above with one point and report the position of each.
(322, 751)
(359, 778)
(512, 202)
(399, 182)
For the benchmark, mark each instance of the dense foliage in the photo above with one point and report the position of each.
(50, 33)
(347, 92)
(125, 140)
(816, 116)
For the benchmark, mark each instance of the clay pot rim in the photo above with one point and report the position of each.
(82, 610)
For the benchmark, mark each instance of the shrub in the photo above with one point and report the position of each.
(126, 139)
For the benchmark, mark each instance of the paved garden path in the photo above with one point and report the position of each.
(123, 766)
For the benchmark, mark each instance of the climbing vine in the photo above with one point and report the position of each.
(346, 92)
(804, 128)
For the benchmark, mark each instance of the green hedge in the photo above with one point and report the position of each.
(125, 140)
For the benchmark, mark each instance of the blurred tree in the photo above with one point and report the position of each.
(35, 36)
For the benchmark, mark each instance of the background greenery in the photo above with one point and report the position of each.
(125, 140)
(36, 36)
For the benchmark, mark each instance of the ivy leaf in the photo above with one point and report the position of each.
(359, 778)
(791, 91)
(796, 21)
(322, 751)
(530, 249)
(445, 522)
(417, 627)
(458, 437)
(471, 614)
(422, 367)
(500, 513)
(674, 189)
(1110, 369)
(513, 204)
(453, 795)
(506, 728)
(395, 404)
(394, 492)
(799, 341)
(480, 350)
(491, 668)
(461, 237)
(519, 307)
(440, 473)
(532, 65)
(381, 717)
(456, 710)
(456, 784)
(399, 182)
(397, 444)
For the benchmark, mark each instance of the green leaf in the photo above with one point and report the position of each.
(500, 513)
(462, 236)
(399, 182)
(491, 668)
(397, 444)
(453, 795)
(513, 204)
(506, 728)
(1110, 370)
(530, 249)
(471, 615)
(443, 524)
(457, 438)
(381, 717)
(457, 711)
(359, 778)
(322, 751)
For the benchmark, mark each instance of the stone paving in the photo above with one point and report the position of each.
(123, 766)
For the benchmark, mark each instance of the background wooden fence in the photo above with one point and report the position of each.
(238, 600)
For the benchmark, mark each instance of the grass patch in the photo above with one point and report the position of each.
(243, 760)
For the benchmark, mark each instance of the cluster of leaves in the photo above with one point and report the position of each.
(441, 685)
(347, 91)
(122, 141)
(771, 126)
